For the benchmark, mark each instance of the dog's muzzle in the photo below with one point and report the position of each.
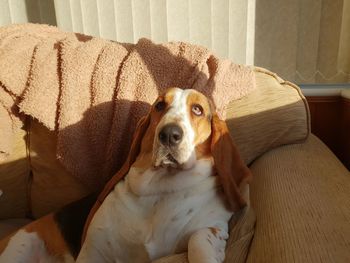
(171, 135)
(172, 147)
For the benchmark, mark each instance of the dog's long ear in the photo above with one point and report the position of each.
(135, 147)
(232, 171)
(140, 131)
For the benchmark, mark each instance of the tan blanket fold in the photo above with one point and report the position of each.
(43, 82)
(18, 47)
(93, 91)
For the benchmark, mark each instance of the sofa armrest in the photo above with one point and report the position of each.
(301, 197)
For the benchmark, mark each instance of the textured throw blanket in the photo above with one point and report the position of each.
(92, 91)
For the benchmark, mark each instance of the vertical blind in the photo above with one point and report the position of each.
(305, 41)
(221, 25)
(224, 26)
(22, 11)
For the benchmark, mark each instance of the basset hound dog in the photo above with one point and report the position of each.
(181, 183)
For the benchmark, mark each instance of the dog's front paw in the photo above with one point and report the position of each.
(217, 238)
(207, 246)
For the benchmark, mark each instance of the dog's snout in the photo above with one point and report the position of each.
(171, 135)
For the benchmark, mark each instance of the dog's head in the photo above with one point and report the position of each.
(183, 127)
(184, 123)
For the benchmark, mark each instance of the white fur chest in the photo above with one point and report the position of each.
(153, 213)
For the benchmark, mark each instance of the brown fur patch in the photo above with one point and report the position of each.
(47, 230)
(200, 124)
(232, 172)
(203, 150)
(214, 230)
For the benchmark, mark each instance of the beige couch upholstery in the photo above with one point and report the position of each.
(300, 192)
(301, 197)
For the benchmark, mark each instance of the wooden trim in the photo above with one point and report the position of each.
(346, 101)
(323, 99)
(330, 121)
(344, 146)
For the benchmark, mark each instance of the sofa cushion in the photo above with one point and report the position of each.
(275, 113)
(14, 177)
(301, 197)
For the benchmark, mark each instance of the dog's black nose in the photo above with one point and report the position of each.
(170, 135)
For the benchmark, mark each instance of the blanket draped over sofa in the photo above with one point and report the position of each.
(92, 91)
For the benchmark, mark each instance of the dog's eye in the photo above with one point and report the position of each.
(160, 105)
(197, 110)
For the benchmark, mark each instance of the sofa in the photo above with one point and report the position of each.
(299, 199)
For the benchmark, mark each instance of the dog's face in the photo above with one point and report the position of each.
(181, 124)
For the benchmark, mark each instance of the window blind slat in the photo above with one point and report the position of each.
(90, 17)
(178, 20)
(106, 19)
(200, 22)
(158, 13)
(124, 20)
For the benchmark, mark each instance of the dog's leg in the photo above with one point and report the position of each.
(207, 246)
(25, 247)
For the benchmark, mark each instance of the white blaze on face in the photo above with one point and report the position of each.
(178, 113)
